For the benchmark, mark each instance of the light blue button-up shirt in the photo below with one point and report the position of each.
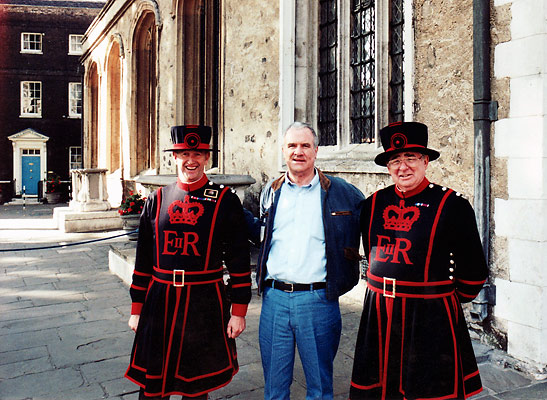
(297, 252)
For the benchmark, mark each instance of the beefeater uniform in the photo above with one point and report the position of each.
(425, 258)
(187, 232)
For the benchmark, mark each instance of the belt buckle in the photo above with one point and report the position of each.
(393, 283)
(292, 288)
(175, 283)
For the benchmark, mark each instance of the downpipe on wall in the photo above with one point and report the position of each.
(484, 113)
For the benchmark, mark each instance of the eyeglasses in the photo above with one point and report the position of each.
(411, 161)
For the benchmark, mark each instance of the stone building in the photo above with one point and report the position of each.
(473, 71)
(41, 87)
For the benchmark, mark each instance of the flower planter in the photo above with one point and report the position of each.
(129, 224)
(53, 198)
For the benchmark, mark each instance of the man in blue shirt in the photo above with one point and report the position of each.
(308, 258)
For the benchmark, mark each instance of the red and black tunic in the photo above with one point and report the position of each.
(186, 234)
(425, 258)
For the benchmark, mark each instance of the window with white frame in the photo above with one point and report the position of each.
(75, 44)
(358, 81)
(75, 99)
(75, 157)
(31, 99)
(31, 43)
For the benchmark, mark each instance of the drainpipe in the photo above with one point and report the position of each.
(484, 113)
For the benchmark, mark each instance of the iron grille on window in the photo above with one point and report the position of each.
(396, 56)
(362, 91)
(328, 71)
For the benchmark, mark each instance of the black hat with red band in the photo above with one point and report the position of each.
(404, 136)
(190, 137)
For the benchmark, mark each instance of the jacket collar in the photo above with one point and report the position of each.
(324, 181)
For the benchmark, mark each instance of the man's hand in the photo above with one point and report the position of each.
(134, 322)
(236, 325)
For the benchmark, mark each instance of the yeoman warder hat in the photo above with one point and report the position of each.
(190, 137)
(404, 136)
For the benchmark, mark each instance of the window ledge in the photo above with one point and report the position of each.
(30, 116)
(350, 160)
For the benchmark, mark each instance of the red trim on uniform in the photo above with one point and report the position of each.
(170, 282)
(403, 195)
(133, 286)
(380, 343)
(471, 375)
(364, 387)
(191, 186)
(158, 209)
(240, 274)
(184, 146)
(407, 146)
(370, 225)
(403, 316)
(213, 222)
(173, 323)
(241, 285)
(412, 296)
(239, 310)
(141, 273)
(455, 345)
(136, 308)
(389, 312)
(468, 395)
(471, 282)
(433, 231)
(410, 283)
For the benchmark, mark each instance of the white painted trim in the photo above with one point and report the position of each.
(287, 64)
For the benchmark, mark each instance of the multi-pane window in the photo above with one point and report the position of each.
(328, 72)
(31, 99)
(357, 80)
(75, 157)
(31, 152)
(75, 44)
(363, 62)
(31, 43)
(75, 99)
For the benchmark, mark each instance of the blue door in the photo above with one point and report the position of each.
(31, 174)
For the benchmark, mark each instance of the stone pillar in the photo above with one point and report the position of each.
(520, 139)
(89, 191)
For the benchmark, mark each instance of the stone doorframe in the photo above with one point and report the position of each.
(27, 139)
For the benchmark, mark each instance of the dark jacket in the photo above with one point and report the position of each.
(341, 204)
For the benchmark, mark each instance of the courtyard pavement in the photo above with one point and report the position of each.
(64, 333)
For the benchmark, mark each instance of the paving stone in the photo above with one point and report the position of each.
(41, 384)
(28, 340)
(536, 392)
(32, 353)
(29, 366)
(121, 387)
(501, 379)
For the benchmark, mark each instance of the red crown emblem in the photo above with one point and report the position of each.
(184, 212)
(400, 218)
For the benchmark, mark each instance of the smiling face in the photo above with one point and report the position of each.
(191, 164)
(300, 152)
(407, 169)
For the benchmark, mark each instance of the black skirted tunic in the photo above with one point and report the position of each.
(425, 258)
(187, 234)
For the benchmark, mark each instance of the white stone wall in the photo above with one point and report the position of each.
(521, 139)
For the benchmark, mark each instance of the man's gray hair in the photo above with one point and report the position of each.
(304, 125)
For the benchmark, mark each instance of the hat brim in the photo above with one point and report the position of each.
(383, 158)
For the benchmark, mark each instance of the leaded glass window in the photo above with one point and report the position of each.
(328, 73)
(362, 91)
(396, 58)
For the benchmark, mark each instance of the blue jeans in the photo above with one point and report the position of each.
(312, 323)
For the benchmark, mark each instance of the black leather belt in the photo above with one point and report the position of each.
(294, 287)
